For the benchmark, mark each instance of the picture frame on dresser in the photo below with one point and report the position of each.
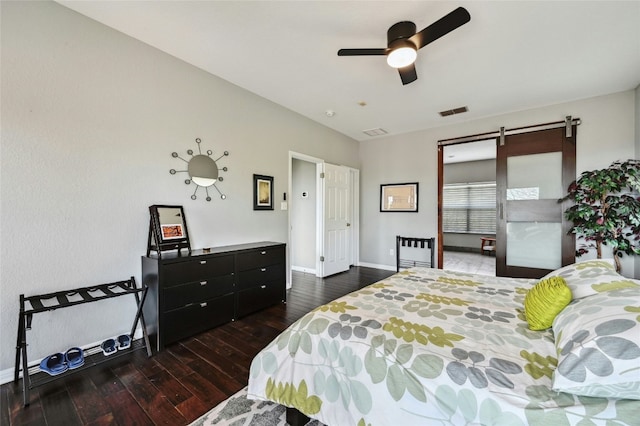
(167, 229)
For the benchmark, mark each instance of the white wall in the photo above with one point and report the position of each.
(637, 117)
(469, 171)
(607, 133)
(89, 120)
(303, 216)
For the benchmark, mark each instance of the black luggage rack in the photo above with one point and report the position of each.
(34, 376)
(422, 243)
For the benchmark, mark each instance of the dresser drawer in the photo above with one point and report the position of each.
(195, 292)
(196, 270)
(255, 299)
(259, 276)
(193, 319)
(261, 257)
(190, 293)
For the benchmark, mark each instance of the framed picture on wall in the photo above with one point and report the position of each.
(262, 192)
(399, 197)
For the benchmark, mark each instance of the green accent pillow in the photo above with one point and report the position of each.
(544, 301)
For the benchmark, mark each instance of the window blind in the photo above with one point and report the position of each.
(469, 208)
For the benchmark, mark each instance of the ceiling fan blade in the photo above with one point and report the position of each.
(441, 27)
(408, 74)
(361, 52)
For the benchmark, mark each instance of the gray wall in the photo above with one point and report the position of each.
(637, 117)
(90, 117)
(470, 171)
(89, 120)
(607, 133)
(303, 216)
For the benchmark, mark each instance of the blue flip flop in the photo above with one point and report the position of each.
(74, 357)
(108, 347)
(54, 364)
(124, 341)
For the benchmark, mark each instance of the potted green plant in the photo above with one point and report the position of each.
(606, 209)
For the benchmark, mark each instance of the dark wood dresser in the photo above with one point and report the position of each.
(194, 292)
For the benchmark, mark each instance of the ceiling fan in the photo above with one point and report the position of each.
(403, 42)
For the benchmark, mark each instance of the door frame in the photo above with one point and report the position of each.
(319, 209)
(441, 184)
(355, 212)
(569, 123)
(354, 192)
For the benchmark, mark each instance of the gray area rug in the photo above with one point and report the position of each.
(240, 411)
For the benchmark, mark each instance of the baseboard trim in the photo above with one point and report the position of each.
(303, 269)
(378, 266)
(6, 375)
(461, 249)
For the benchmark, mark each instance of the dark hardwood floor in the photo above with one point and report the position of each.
(179, 384)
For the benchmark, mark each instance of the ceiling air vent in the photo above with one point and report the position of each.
(375, 132)
(449, 112)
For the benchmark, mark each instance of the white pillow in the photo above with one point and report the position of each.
(591, 277)
(597, 339)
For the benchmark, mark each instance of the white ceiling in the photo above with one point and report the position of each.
(512, 55)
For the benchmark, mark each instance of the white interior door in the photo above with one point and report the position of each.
(336, 222)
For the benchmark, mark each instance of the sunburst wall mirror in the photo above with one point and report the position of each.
(203, 170)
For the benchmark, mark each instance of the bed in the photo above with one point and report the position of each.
(435, 347)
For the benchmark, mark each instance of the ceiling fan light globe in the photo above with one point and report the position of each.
(402, 57)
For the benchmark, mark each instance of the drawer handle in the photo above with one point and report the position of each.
(203, 283)
(263, 286)
(263, 269)
(203, 305)
(203, 262)
(263, 252)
